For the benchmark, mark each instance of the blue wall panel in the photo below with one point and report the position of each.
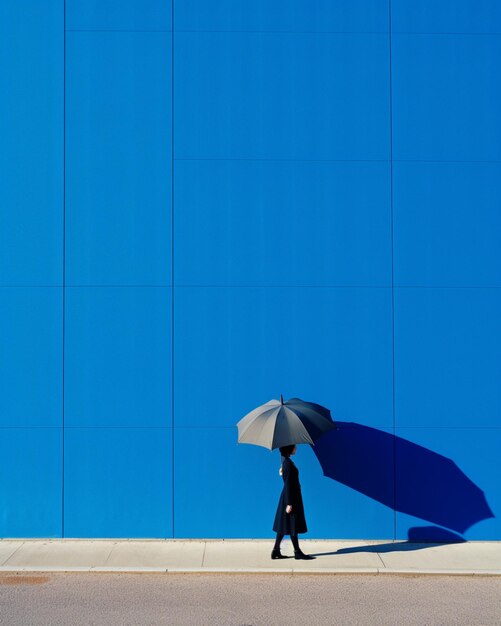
(447, 357)
(339, 16)
(447, 224)
(31, 479)
(118, 356)
(446, 92)
(118, 177)
(213, 480)
(287, 96)
(239, 347)
(108, 15)
(117, 482)
(31, 128)
(446, 16)
(282, 223)
(31, 367)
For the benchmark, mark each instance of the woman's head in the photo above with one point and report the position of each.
(288, 450)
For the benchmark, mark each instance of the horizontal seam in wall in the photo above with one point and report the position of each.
(198, 286)
(202, 427)
(447, 427)
(91, 427)
(283, 160)
(255, 286)
(277, 160)
(282, 287)
(447, 286)
(224, 32)
(281, 32)
(115, 30)
(460, 33)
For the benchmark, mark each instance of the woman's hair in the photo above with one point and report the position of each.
(286, 450)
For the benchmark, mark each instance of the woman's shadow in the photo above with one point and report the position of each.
(416, 541)
(405, 477)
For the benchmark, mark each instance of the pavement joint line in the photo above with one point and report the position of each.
(203, 555)
(111, 550)
(381, 559)
(11, 555)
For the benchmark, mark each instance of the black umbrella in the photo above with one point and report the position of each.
(278, 423)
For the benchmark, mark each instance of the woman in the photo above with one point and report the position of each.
(289, 518)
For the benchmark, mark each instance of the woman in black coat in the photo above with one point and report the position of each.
(289, 518)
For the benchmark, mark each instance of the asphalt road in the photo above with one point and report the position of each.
(247, 599)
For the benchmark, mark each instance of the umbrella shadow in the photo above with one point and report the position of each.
(416, 541)
(404, 476)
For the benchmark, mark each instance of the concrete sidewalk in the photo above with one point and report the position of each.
(251, 555)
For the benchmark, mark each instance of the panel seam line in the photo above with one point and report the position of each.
(64, 260)
(392, 277)
(172, 263)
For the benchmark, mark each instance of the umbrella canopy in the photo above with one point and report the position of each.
(278, 423)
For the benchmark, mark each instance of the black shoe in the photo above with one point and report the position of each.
(299, 554)
(276, 554)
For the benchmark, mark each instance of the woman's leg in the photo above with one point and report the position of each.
(278, 541)
(295, 542)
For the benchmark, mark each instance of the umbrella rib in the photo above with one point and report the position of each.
(317, 409)
(316, 420)
(256, 423)
(300, 426)
(255, 418)
(256, 412)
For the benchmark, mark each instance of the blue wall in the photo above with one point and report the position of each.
(207, 205)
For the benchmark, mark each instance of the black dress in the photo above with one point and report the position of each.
(294, 522)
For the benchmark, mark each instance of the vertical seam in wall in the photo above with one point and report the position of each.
(64, 252)
(392, 285)
(172, 256)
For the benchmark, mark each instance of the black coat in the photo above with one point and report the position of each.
(294, 522)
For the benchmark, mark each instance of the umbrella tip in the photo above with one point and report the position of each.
(281, 399)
